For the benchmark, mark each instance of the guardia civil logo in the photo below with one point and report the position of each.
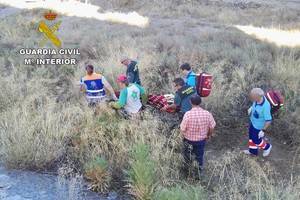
(48, 28)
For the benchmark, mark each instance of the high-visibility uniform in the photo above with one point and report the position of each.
(182, 98)
(260, 113)
(94, 87)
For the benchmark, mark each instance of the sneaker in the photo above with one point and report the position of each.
(247, 152)
(267, 152)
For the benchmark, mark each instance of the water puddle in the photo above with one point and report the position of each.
(27, 185)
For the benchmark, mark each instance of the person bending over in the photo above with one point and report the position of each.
(132, 96)
(95, 86)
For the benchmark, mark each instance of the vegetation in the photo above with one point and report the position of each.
(97, 172)
(45, 123)
(181, 192)
(141, 175)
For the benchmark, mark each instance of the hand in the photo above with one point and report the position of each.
(110, 104)
(249, 111)
(261, 134)
(114, 97)
(208, 137)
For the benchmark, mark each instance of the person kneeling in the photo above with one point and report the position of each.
(130, 97)
(197, 126)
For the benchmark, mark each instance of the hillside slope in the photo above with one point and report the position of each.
(46, 124)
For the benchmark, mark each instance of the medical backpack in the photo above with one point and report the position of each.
(204, 84)
(276, 100)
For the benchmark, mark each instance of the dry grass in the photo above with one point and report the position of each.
(97, 173)
(44, 122)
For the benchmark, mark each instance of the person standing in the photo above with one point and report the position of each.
(260, 120)
(132, 71)
(189, 75)
(196, 127)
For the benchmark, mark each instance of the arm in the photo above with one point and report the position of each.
(267, 116)
(82, 85)
(82, 88)
(109, 88)
(122, 100)
(183, 125)
(210, 132)
(144, 96)
(144, 99)
(267, 124)
(249, 111)
(212, 125)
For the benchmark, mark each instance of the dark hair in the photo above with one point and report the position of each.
(89, 66)
(195, 100)
(179, 81)
(185, 66)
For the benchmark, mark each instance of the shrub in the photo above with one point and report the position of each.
(97, 173)
(141, 174)
(180, 192)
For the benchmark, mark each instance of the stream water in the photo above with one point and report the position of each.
(27, 185)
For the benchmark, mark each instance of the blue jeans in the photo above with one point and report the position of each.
(193, 147)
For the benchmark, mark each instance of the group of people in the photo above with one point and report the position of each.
(197, 124)
(131, 96)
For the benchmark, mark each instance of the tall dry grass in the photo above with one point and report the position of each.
(46, 123)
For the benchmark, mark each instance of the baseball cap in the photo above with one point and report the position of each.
(122, 78)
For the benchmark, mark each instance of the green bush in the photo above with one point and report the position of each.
(141, 174)
(181, 193)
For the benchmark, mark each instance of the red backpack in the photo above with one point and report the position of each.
(204, 84)
(276, 100)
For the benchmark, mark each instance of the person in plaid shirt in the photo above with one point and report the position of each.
(197, 126)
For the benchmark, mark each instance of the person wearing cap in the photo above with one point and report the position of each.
(196, 127)
(182, 97)
(132, 71)
(95, 86)
(260, 120)
(189, 75)
(132, 96)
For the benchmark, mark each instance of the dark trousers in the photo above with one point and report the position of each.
(255, 142)
(191, 148)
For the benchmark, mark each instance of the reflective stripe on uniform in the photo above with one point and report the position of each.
(95, 97)
(252, 145)
(95, 91)
(262, 145)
